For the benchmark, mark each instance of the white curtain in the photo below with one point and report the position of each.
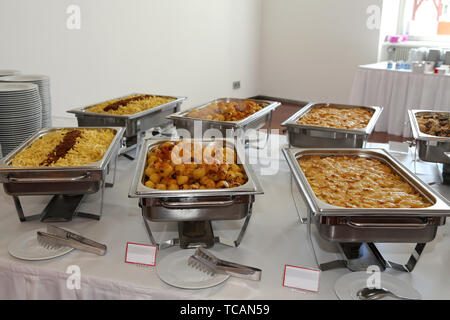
(398, 91)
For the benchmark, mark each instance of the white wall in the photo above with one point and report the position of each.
(311, 48)
(296, 49)
(193, 48)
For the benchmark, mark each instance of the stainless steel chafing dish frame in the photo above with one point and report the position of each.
(428, 147)
(309, 136)
(254, 121)
(360, 228)
(134, 123)
(58, 181)
(191, 206)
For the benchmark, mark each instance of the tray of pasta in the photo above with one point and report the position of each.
(61, 161)
(230, 116)
(365, 195)
(330, 125)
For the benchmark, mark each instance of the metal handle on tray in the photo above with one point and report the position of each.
(386, 225)
(199, 204)
(61, 179)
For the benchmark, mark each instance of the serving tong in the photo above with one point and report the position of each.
(56, 238)
(205, 261)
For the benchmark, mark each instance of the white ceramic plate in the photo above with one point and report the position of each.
(27, 247)
(347, 286)
(25, 77)
(174, 270)
(9, 72)
(21, 87)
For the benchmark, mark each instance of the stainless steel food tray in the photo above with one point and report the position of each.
(429, 148)
(195, 205)
(85, 179)
(134, 123)
(227, 128)
(307, 136)
(347, 225)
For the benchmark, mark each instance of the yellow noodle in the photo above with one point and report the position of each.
(131, 107)
(89, 147)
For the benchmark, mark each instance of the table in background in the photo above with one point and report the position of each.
(397, 91)
(274, 237)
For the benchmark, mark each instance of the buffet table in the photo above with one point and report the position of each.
(274, 238)
(398, 91)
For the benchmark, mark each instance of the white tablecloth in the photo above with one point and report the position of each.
(274, 238)
(397, 91)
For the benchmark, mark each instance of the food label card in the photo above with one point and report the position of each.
(142, 254)
(301, 278)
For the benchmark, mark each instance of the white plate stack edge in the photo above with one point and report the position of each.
(43, 83)
(20, 114)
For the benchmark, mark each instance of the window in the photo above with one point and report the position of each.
(426, 19)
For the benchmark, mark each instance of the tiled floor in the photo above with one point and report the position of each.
(286, 110)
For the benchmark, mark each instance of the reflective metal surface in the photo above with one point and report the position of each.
(370, 224)
(254, 121)
(430, 148)
(133, 123)
(195, 205)
(85, 179)
(308, 136)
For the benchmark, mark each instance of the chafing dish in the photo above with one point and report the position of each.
(355, 232)
(338, 224)
(55, 180)
(308, 136)
(66, 181)
(227, 128)
(190, 206)
(429, 148)
(134, 123)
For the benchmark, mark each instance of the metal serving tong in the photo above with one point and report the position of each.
(210, 264)
(57, 237)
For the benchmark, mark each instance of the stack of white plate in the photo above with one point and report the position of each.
(20, 114)
(4, 73)
(43, 83)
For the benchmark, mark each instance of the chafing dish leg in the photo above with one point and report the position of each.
(237, 242)
(162, 245)
(409, 266)
(92, 215)
(359, 256)
(268, 134)
(111, 184)
(127, 146)
(20, 213)
(303, 220)
(225, 241)
(149, 231)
